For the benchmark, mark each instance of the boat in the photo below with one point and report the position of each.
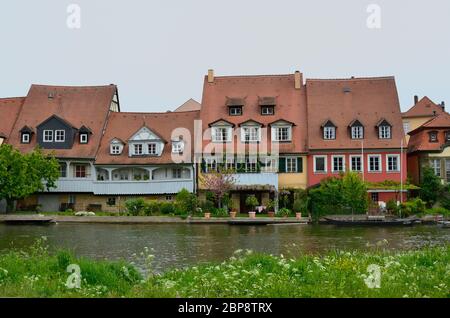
(445, 224)
(28, 220)
(371, 222)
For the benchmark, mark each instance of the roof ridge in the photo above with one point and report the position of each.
(73, 86)
(351, 78)
(250, 75)
(157, 113)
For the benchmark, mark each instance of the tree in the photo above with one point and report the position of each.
(354, 193)
(431, 187)
(219, 183)
(24, 174)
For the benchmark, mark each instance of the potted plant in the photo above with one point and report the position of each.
(271, 208)
(300, 206)
(284, 212)
(207, 207)
(251, 202)
(233, 210)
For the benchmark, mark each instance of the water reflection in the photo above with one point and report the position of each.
(180, 244)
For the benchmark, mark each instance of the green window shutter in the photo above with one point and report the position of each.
(281, 165)
(203, 166)
(299, 164)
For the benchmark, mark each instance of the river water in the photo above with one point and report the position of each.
(179, 245)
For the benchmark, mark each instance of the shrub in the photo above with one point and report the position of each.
(301, 205)
(207, 206)
(430, 186)
(412, 207)
(392, 206)
(220, 212)
(152, 207)
(135, 206)
(271, 205)
(167, 208)
(283, 212)
(437, 211)
(185, 202)
(251, 201)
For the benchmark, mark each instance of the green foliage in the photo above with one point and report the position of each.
(271, 205)
(24, 174)
(431, 187)
(251, 201)
(437, 211)
(392, 207)
(220, 212)
(284, 198)
(207, 206)
(284, 212)
(135, 206)
(412, 207)
(167, 208)
(344, 195)
(186, 203)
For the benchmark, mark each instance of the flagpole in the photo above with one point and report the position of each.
(362, 159)
(401, 171)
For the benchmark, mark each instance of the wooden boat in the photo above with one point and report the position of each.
(371, 222)
(28, 221)
(445, 224)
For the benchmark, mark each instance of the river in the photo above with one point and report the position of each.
(179, 245)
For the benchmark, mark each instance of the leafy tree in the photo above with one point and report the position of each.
(431, 187)
(24, 174)
(218, 183)
(186, 202)
(354, 193)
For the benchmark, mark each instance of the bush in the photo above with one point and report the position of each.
(283, 212)
(207, 206)
(152, 207)
(251, 201)
(392, 206)
(220, 212)
(167, 208)
(431, 187)
(437, 211)
(135, 206)
(185, 202)
(412, 207)
(301, 205)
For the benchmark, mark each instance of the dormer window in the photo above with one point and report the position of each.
(433, 136)
(267, 105)
(83, 138)
(250, 131)
(329, 130)
(221, 131)
(384, 130)
(25, 135)
(281, 131)
(235, 111)
(177, 146)
(267, 110)
(447, 136)
(356, 130)
(60, 135)
(152, 149)
(48, 136)
(138, 150)
(115, 150)
(146, 143)
(116, 147)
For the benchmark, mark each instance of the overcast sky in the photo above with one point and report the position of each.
(157, 51)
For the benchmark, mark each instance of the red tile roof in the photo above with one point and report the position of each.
(368, 100)
(290, 104)
(189, 105)
(424, 108)
(420, 139)
(88, 106)
(9, 110)
(123, 126)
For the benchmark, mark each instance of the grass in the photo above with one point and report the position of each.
(422, 273)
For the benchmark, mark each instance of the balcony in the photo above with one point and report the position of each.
(73, 185)
(263, 178)
(142, 187)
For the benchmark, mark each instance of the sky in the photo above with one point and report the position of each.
(158, 51)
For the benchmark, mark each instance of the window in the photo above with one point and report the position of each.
(25, 138)
(329, 132)
(267, 110)
(229, 164)
(338, 163)
(406, 127)
(72, 199)
(357, 132)
(282, 133)
(384, 132)
(433, 136)
(356, 163)
(221, 134)
(447, 136)
(393, 163)
(177, 146)
(251, 164)
(60, 135)
(62, 170)
(270, 165)
(374, 163)
(436, 166)
(211, 164)
(291, 164)
(320, 164)
(111, 201)
(235, 111)
(250, 134)
(374, 197)
(115, 149)
(137, 149)
(48, 136)
(169, 197)
(152, 149)
(176, 173)
(83, 138)
(80, 171)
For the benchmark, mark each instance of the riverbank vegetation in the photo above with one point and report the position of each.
(423, 273)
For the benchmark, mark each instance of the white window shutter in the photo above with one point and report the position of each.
(274, 133)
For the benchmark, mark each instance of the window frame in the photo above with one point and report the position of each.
(326, 133)
(380, 163)
(177, 147)
(276, 133)
(361, 162)
(357, 127)
(152, 145)
(45, 137)
(113, 147)
(333, 170)
(57, 139)
(437, 167)
(267, 107)
(135, 146)
(257, 134)
(294, 168)
(231, 108)
(84, 138)
(398, 162)
(381, 131)
(27, 141)
(325, 157)
(432, 134)
(214, 134)
(80, 173)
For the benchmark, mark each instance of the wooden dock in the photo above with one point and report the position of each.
(265, 221)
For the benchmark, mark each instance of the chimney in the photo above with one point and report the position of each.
(443, 106)
(298, 79)
(210, 76)
(416, 99)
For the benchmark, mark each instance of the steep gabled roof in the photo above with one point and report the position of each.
(78, 105)
(189, 105)
(371, 100)
(123, 125)
(424, 108)
(440, 121)
(9, 111)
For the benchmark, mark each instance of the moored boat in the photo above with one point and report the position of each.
(371, 222)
